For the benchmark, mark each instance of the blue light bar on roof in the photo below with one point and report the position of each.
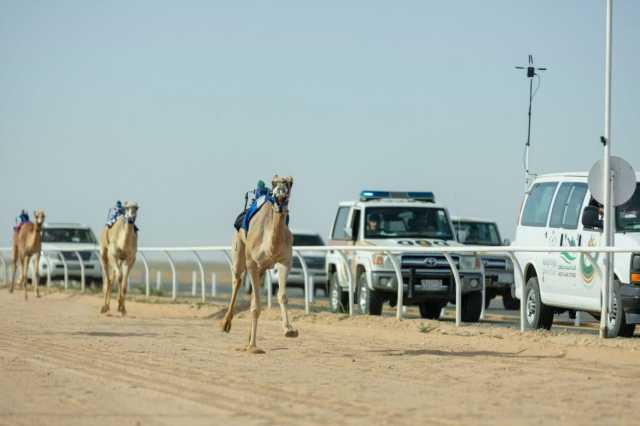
(427, 197)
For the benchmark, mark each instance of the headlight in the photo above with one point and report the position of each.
(508, 266)
(378, 259)
(94, 256)
(635, 269)
(468, 262)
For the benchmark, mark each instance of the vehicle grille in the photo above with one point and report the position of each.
(428, 261)
(312, 262)
(70, 255)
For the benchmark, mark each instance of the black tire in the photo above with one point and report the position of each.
(471, 306)
(430, 310)
(617, 324)
(509, 302)
(537, 314)
(369, 301)
(338, 299)
(487, 300)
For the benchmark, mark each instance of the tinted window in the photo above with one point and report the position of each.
(407, 222)
(574, 206)
(538, 204)
(68, 235)
(307, 240)
(560, 205)
(628, 214)
(340, 223)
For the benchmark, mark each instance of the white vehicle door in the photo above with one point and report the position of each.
(565, 216)
(533, 229)
(590, 268)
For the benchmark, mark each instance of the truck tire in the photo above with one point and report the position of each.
(537, 314)
(509, 302)
(338, 299)
(617, 324)
(369, 301)
(471, 306)
(430, 310)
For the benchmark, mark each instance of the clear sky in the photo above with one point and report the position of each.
(182, 106)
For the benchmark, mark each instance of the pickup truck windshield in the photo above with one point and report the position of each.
(68, 235)
(477, 233)
(628, 214)
(407, 222)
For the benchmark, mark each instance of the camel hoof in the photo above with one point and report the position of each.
(291, 333)
(226, 325)
(10, 289)
(104, 309)
(253, 350)
(123, 311)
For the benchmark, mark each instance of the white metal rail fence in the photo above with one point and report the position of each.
(343, 251)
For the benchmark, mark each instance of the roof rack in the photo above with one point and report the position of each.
(426, 197)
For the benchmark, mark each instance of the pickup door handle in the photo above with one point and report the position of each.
(579, 240)
(561, 239)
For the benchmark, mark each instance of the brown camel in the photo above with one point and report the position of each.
(267, 244)
(27, 242)
(118, 248)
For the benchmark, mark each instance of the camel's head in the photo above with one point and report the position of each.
(130, 211)
(281, 189)
(38, 217)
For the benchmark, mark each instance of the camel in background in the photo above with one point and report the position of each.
(268, 242)
(27, 242)
(118, 248)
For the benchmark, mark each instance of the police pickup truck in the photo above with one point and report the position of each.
(399, 220)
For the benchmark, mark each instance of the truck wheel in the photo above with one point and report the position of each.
(509, 302)
(617, 324)
(537, 314)
(471, 306)
(369, 301)
(430, 310)
(338, 299)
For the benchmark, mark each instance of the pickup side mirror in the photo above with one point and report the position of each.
(591, 218)
(506, 242)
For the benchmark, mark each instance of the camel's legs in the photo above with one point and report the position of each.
(126, 269)
(24, 275)
(256, 281)
(119, 280)
(36, 273)
(107, 280)
(239, 269)
(283, 271)
(15, 270)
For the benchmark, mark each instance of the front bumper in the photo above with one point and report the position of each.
(436, 285)
(630, 295)
(500, 280)
(296, 278)
(92, 270)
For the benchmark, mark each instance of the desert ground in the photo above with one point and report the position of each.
(62, 363)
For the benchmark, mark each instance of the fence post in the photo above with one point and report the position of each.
(484, 285)
(146, 273)
(66, 270)
(174, 284)
(312, 287)
(518, 269)
(202, 283)
(456, 277)
(194, 278)
(214, 284)
(269, 286)
(82, 280)
(349, 275)
(4, 269)
(158, 279)
(305, 272)
(400, 281)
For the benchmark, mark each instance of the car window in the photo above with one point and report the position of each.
(538, 204)
(574, 206)
(407, 222)
(340, 223)
(560, 205)
(307, 240)
(68, 235)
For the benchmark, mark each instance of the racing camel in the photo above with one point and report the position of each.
(118, 248)
(268, 243)
(27, 242)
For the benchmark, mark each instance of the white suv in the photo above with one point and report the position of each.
(558, 211)
(400, 219)
(80, 238)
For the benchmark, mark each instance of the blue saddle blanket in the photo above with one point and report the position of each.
(252, 210)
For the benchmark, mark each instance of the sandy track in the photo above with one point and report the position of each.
(61, 362)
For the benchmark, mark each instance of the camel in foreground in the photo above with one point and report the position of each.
(27, 242)
(118, 248)
(267, 244)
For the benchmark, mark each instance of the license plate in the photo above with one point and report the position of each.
(431, 284)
